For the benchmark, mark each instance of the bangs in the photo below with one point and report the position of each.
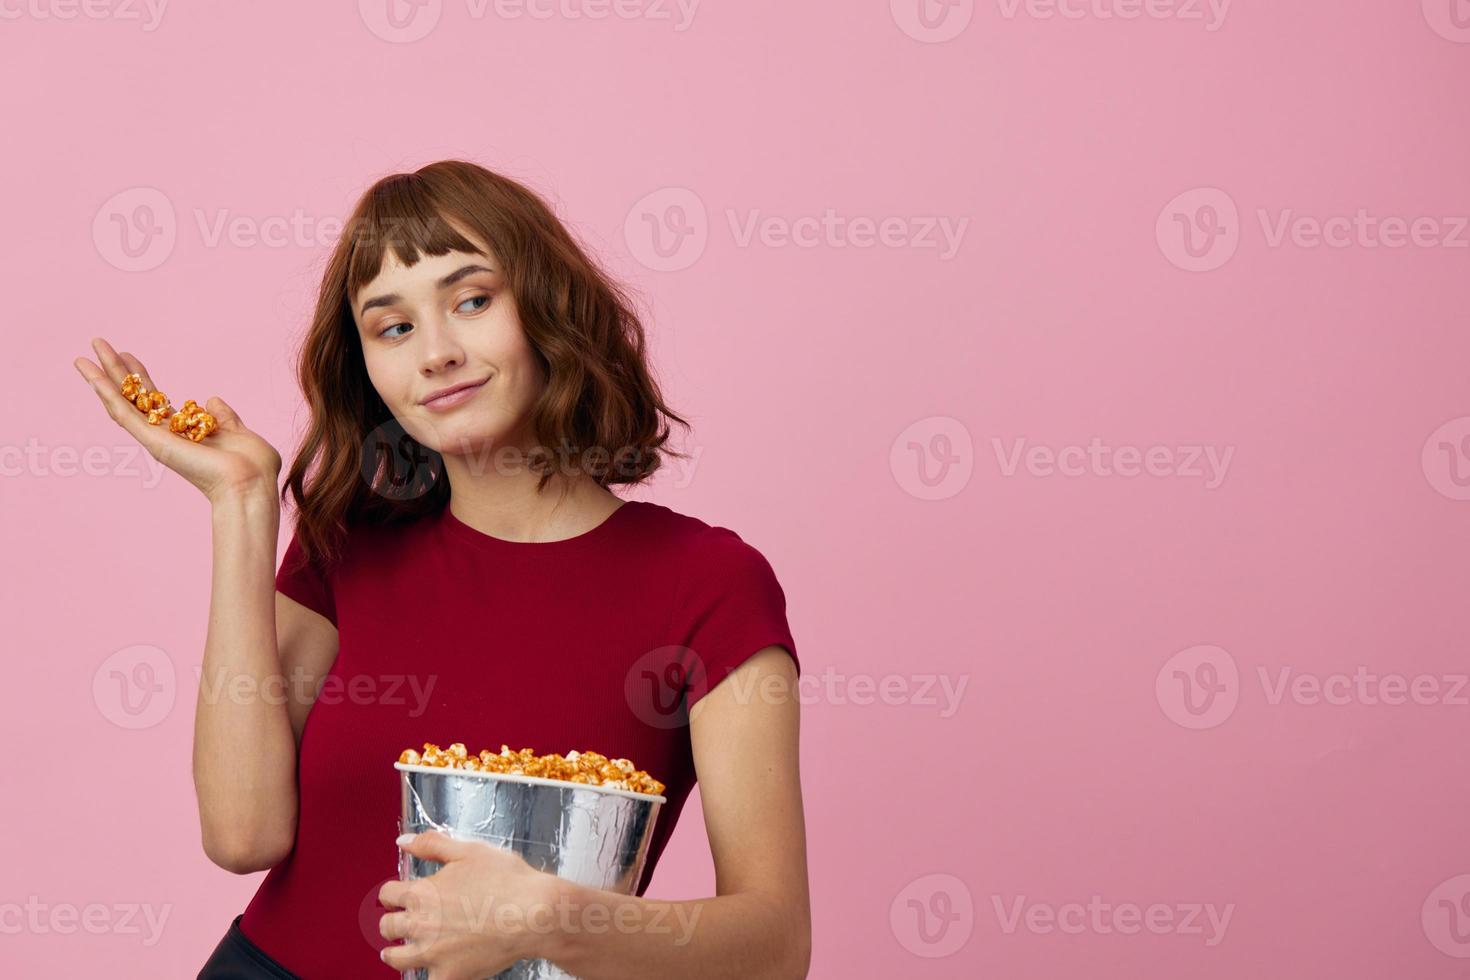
(399, 214)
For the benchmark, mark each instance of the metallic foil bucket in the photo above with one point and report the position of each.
(593, 836)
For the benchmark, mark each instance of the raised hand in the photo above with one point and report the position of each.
(232, 460)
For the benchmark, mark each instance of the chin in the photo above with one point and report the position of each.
(464, 439)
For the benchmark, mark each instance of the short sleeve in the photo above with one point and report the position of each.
(306, 582)
(731, 607)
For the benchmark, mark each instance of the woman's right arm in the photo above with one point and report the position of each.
(264, 657)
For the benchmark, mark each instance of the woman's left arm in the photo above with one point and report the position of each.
(486, 907)
(744, 733)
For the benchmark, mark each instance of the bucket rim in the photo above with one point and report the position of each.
(511, 777)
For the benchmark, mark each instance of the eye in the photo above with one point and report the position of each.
(384, 332)
(473, 299)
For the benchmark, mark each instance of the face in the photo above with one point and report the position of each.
(449, 320)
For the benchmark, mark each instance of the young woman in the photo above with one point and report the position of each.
(460, 572)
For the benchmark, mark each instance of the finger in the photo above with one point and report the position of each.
(226, 416)
(432, 845)
(110, 395)
(135, 366)
(395, 925)
(111, 363)
(90, 372)
(155, 438)
(409, 956)
(394, 893)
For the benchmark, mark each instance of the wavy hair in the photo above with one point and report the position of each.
(356, 464)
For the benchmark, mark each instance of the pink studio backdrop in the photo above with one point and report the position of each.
(1093, 376)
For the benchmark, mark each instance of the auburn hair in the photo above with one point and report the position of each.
(356, 464)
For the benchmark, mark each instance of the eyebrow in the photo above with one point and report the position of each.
(388, 299)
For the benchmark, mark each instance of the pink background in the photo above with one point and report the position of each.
(835, 389)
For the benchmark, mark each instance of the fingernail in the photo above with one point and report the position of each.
(383, 954)
(405, 839)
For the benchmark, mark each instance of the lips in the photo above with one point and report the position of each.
(456, 389)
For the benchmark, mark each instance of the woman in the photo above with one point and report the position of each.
(460, 572)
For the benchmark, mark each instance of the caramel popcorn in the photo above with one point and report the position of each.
(191, 421)
(590, 768)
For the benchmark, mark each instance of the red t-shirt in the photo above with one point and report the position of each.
(447, 634)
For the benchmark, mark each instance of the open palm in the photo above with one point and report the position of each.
(230, 460)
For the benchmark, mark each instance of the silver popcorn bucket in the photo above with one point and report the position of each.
(591, 835)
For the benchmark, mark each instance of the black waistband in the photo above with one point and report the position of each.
(237, 958)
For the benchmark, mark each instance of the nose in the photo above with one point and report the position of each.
(441, 350)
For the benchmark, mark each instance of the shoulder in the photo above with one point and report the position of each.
(697, 543)
(714, 564)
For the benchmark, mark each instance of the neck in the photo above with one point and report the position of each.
(508, 506)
